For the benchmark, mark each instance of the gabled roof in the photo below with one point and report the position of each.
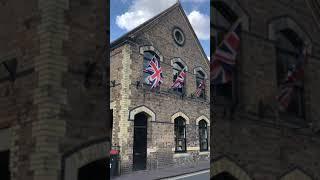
(129, 35)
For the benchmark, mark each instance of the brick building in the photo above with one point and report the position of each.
(53, 115)
(165, 126)
(253, 139)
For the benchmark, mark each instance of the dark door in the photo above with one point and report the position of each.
(4, 165)
(140, 142)
(223, 176)
(98, 170)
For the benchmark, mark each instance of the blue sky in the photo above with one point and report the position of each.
(127, 14)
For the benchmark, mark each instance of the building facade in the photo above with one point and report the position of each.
(163, 126)
(253, 138)
(53, 115)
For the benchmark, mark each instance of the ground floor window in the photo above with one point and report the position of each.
(203, 135)
(180, 134)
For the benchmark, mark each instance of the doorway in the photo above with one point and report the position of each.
(223, 176)
(140, 142)
(97, 170)
(4, 165)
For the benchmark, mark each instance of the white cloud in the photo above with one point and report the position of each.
(195, 1)
(201, 24)
(140, 11)
(208, 57)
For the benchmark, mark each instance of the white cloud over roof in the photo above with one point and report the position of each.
(201, 24)
(142, 10)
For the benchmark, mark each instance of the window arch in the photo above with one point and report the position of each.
(224, 164)
(297, 174)
(203, 135)
(180, 134)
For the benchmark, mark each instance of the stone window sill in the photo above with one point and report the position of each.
(178, 155)
(204, 153)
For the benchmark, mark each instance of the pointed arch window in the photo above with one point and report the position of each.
(200, 78)
(289, 48)
(147, 56)
(225, 17)
(203, 135)
(180, 134)
(177, 68)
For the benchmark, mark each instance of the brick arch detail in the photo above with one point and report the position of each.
(195, 70)
(173, 117)
(235, 6)
(283, 22)
(151, 48)
(226, 165)
(82, 157)
(137, 110)
(296, 174)
(202, 118)
(177, 59)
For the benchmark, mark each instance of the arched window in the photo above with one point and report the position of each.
(177, 68)
(180, 134)
(289, 49)
(147, 56)
(200, 78)
(225, 17)
(203, 135)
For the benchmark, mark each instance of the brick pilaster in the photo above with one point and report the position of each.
(49, 95)
(125, 102)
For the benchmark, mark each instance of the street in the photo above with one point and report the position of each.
(205, 175)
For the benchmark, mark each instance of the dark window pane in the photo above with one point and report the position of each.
(288, 54)
(177, 68)
(180, 134)
(199, 78)
(203, 135)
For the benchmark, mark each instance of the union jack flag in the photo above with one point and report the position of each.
(200, 88)
(224, 57)
(285, 97)
(294, 75)
(155, 78)
(179, 82)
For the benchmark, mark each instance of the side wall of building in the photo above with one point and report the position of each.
(263, 145)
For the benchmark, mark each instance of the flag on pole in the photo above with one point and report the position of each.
(200, 88)
(224, 57)
(155, 78)
(179, 82)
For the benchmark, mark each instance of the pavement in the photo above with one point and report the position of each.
(197, 171)
(199, 175)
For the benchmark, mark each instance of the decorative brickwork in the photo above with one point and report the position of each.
(140, 109)
(296, 174)
(82, 157)
(225, 165)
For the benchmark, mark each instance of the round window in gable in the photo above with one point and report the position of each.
(178, 36)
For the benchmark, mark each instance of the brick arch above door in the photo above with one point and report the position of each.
(224, 164)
